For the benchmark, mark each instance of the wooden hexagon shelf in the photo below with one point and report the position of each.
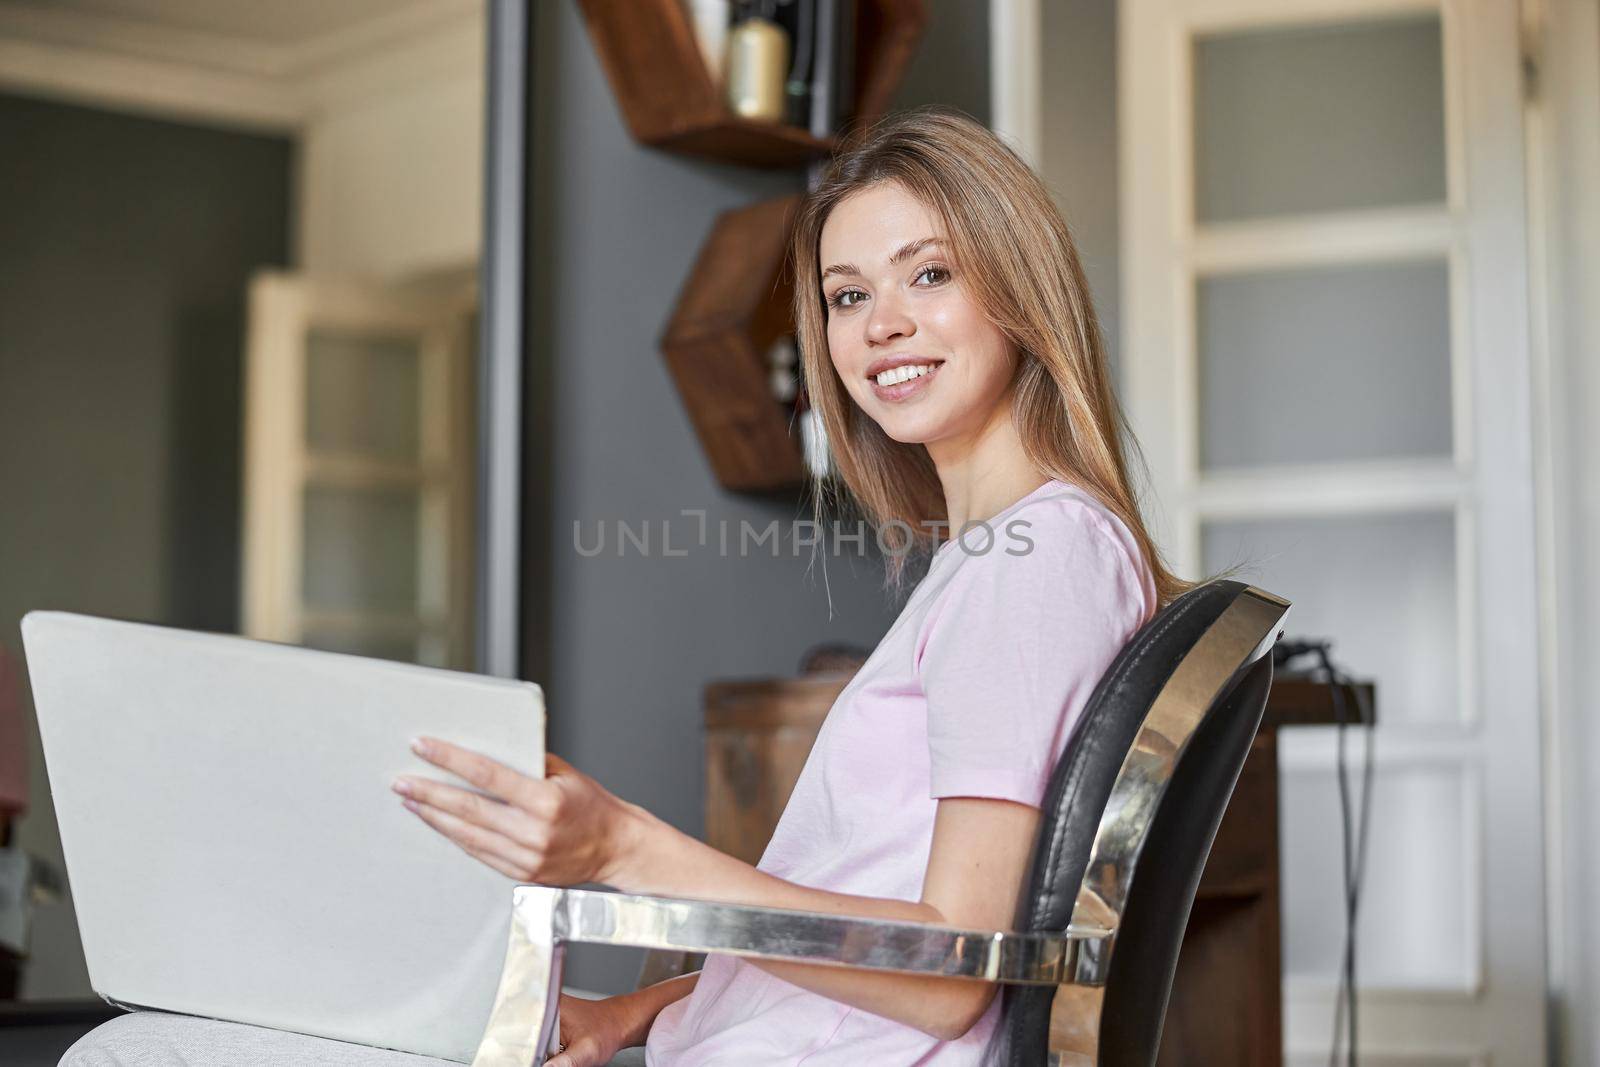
(735, 304)
(668, 99)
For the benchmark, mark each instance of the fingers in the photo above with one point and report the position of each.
(490, 860)
(499, 852)
(489, 775)
(487, 812)
(583, 1052)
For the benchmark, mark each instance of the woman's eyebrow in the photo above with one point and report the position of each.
(905, 252)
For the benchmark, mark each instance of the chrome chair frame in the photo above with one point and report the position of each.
(545, 919)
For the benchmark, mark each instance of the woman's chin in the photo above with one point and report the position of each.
(911, 431)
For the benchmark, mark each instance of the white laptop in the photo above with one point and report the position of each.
(232, 843)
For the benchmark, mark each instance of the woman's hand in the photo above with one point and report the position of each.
(593, 1031)
(564, 829)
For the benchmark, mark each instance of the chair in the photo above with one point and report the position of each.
(1151, 764)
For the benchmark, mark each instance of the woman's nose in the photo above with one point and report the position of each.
(887, 322)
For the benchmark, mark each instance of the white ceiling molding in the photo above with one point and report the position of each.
(134, 39)
(406, 23)
(436, 53)
(232, 80)
(153, 87)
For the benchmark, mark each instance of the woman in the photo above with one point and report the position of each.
(950, 345)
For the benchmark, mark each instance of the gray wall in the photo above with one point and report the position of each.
(629, 643)
(124, 248)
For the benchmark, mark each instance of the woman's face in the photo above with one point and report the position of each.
(896, 303)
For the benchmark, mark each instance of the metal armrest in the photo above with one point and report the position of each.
(601, 917)
(545, 919)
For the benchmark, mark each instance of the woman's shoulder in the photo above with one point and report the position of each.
(1060, 563)
(1058, 533)
(1058, 517)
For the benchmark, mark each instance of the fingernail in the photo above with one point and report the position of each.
(409, 804)
(419, 746)
(402, 787)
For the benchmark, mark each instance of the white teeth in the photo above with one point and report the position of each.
(896, 375)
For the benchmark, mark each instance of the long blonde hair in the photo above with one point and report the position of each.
(1017, 261)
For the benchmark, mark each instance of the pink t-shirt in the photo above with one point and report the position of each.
(971, 693)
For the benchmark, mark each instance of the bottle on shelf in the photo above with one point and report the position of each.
(758, 64)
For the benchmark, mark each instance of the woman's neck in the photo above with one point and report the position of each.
(984, 473)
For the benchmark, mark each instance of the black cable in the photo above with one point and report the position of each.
(1355, 834)
(1355, 868)
(1344, 1009)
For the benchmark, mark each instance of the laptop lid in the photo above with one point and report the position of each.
(232, 843)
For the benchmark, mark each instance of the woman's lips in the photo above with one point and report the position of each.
(901, 390)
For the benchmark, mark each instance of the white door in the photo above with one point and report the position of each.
(1325, 357)
(359, 474)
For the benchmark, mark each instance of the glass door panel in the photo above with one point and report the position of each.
(1382, 587)
(399, 645)
(1318, 118)
(1324, 364)
(361, 551)
(363, 395)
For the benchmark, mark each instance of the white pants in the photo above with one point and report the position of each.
(160, 1039)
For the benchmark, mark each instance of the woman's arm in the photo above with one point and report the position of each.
(975, 870)
(566, 829)
(643, 1005)
(594, 1031)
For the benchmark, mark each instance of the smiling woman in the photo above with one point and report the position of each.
(915, 350)
(976, 278)
(952, 348)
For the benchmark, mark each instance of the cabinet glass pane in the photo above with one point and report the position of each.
(1415, 927)
(1319, 118)
(362, 395)
(1350, 362)
(401, 647)
(361, 550)
(1381, 587)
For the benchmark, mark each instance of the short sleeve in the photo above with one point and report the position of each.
(1015, 646)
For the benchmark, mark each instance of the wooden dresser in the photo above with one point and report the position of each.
(1226, 1004)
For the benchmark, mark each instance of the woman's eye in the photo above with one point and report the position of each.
(932, 268)
(842, 298)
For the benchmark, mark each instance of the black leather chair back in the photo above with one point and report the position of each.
(1162, 890)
